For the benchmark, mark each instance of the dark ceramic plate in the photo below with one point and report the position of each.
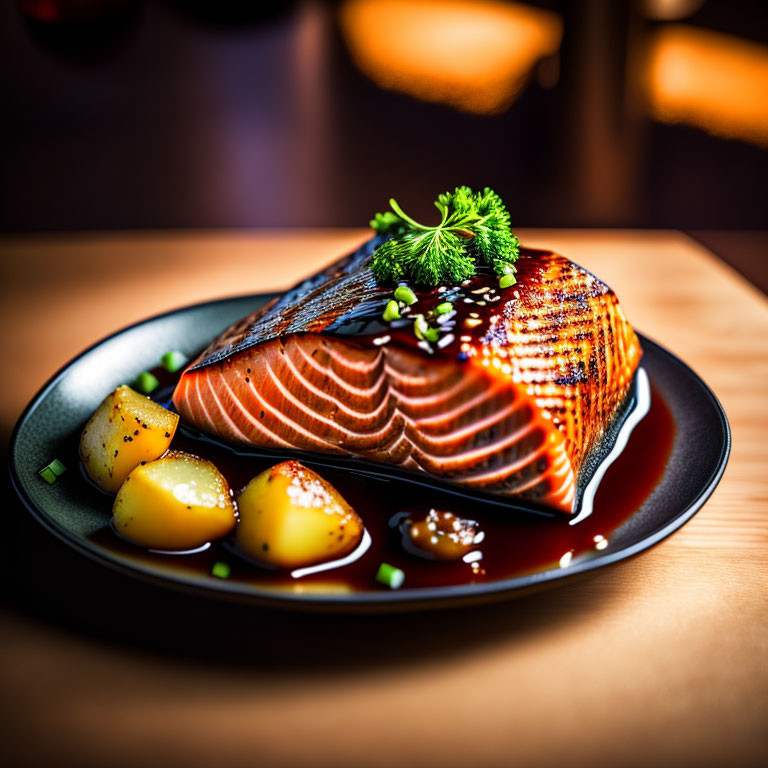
(51, 424)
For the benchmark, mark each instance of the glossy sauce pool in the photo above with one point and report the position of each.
(514, 544)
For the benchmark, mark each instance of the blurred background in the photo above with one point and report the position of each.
(120, 114)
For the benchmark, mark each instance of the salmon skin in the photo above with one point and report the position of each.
(521, 396)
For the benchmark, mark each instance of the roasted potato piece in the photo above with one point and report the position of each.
(178, 502)
(290, 517)
(126, 429)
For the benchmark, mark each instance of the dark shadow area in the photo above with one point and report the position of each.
(230, 15)
(86, 44)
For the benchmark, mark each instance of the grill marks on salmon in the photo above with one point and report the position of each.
(319, 394)
(569, 339)
(519, 405)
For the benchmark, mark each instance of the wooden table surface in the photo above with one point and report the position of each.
(659, 661)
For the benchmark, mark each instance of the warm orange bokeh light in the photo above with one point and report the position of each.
(714, 81)
(474, 56)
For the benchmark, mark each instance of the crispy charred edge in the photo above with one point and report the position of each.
(250, 330)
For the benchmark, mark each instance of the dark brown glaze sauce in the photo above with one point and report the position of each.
(513, 545)
(477, 301)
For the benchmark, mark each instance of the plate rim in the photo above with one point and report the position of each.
(398, 599)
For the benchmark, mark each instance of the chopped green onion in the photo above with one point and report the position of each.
(506, 281)
(145, 383)
(173, 361)
(221, 570)
(390, 576)
(405, 294)
(422, 330)
(420, 327)
(52, 471)
(48, 475)
(391, 311)
(444, 308)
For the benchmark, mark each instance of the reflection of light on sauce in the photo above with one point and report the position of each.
(356, 554)
(714, 81)
(600, 542)
(565, 560)
(472, 55)
(180, 551)
(639, 410)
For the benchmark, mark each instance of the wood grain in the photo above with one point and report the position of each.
(662, 660)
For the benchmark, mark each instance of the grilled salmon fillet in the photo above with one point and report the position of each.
(520, 396)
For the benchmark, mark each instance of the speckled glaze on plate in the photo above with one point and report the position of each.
(51, 424)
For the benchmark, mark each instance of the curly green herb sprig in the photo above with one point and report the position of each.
(473, 225)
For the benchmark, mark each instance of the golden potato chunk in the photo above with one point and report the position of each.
(126, 429)
(290, 517)
(178, 502)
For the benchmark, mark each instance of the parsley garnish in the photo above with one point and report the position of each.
(473, 225)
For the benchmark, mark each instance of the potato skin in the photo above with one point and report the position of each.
(178, 502)
(290, 517)
(126, 429)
